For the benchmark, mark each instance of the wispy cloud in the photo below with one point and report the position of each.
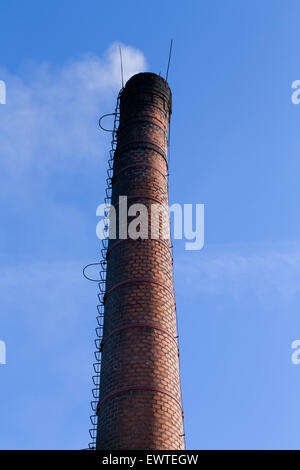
(269, 273)
(51, 112)
(50, 142)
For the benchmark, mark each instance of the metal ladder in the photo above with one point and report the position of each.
(102, 273)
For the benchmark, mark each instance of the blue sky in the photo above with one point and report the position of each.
(234, 148)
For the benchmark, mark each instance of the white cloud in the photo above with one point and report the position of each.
(50, 119)
(267, 273)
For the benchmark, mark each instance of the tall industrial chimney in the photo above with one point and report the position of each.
(140, 399)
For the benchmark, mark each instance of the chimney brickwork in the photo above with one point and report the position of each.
(140, 399)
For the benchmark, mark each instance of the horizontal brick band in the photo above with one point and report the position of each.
(138, 387)
(142, 196)
(144, 145)
(152, 115)
(137, 325)
(153, 106)
(159, 91)
(135, 165)
(139, 241)
(141, 104)
(132, 121)
(136, 280)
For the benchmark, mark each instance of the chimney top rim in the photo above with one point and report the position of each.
(147, 80)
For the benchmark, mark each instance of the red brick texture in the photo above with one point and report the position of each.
(140, 399)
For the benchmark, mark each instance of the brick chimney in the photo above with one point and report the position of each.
(140, 400)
